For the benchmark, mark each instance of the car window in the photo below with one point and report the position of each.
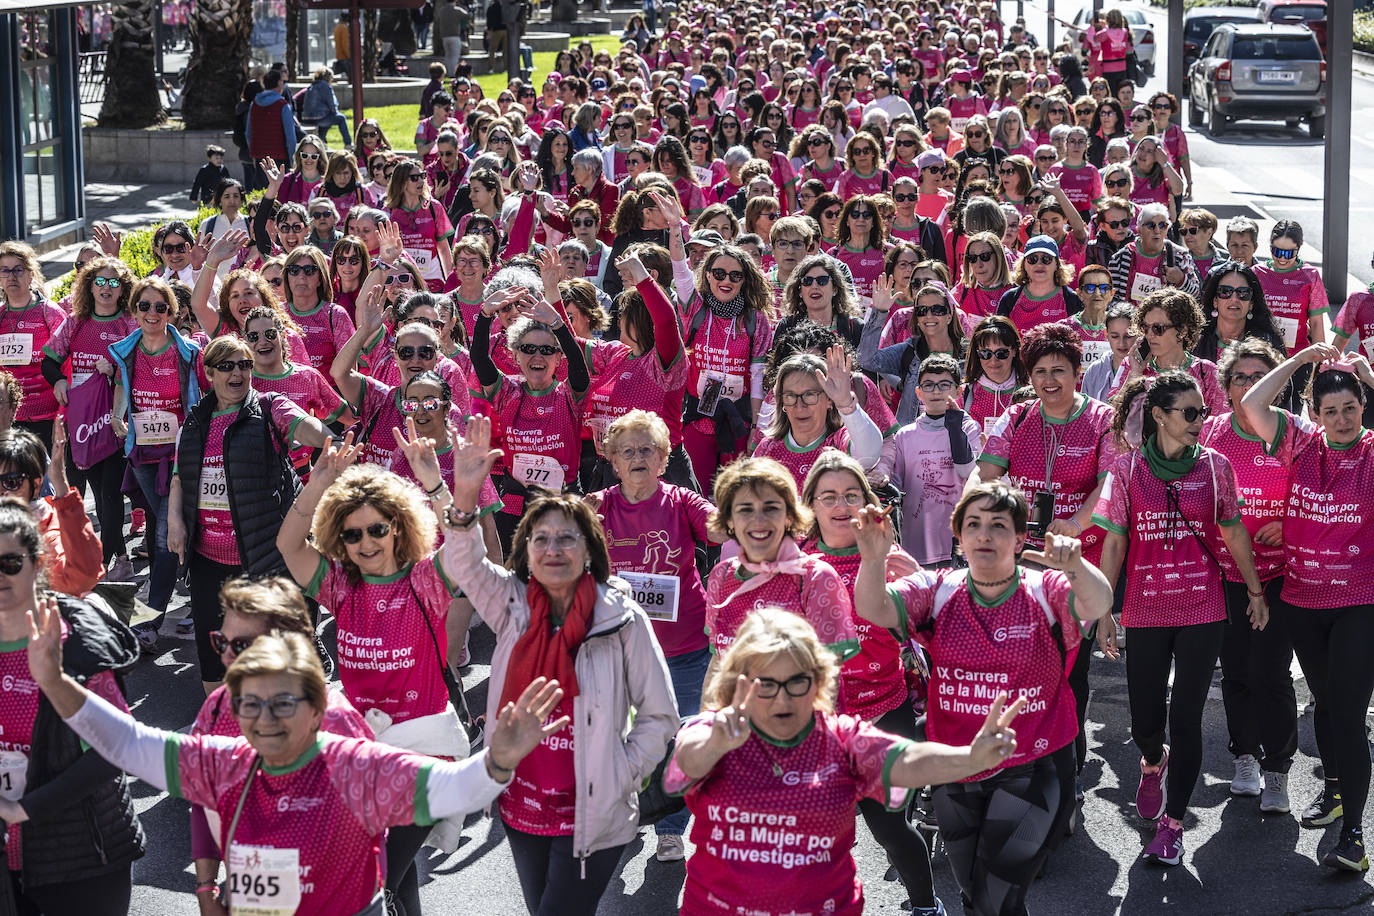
(1134, 17)
(1276, 47)
(1214, 46)
(1200, 27)
(1293, 11)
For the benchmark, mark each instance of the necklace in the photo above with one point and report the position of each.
(998, 583)
(777, 767)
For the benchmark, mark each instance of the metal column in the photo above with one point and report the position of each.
(1173, 76)
(68, 110)
(11, 159)
(1340, 19)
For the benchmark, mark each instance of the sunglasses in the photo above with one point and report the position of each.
(999, 353)
(1225, 291)
(275, 281)
(368, 134)
(863, 150)
(12, 481)
(903, 198)
(376, 531)
(352, 260)
(538, 349)
(831, 214)
(975, 134)
(111, 282)
(219, 642)
(161, 307)
(1155, 225)
(1116, 223)
(229, 365)
(1190, 414)
(905, 144)
(425, 352)
(1162, 106)
(180, 248)
(700, 139)
(393, 279)
(817, 141)
(415, 177)
(821, 280)
(325, 214)
(1117, 182)
(978, 257)
(1039, 258)
(1043, 157)
(253, 336)
(291, 227)
(1284, 254)
(921, 311)
(860, 214)
(1156, 330)
(1096, 288)
(311, 156)
(427, 404)
(720, 273)
(1140, 117)
(295, 270)
(1006, 171)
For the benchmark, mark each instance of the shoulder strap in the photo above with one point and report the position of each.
(946, 591)
(908, 357)
(1035, 580)
(698, 319)
(234, 823)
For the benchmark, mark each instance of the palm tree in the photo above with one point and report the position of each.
(293, 21)
(220, 34)
(131, 93)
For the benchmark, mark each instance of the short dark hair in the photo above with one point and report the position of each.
(1001, 497)
(22, 451)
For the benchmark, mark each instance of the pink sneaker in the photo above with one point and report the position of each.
(1149, 798)
(1167, 846)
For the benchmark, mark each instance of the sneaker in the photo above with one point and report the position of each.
(146, 633)
(1149, 798)
(1247, 779)
(1274, 800)
(1167, 846)
(137, 521)
(1348, 853)
(121, 569)
(186, 625)
(1325, 809)
(670, 848)
(937, 910)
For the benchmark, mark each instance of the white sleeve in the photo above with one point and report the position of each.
(135, 748)
(683, 281)
(865, 439)
(460, 787)
(756, 373)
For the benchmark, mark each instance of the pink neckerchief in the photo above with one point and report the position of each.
(790, 561)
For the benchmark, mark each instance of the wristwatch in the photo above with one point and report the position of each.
(457, 518)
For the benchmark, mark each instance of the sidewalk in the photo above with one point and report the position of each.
(122, 207)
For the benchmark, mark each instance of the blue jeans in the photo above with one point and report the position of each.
(163, 573)
(339, 120)
(687, 671)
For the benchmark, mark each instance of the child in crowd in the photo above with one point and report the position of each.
(210, 175)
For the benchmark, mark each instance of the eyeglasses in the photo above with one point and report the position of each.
(817, 141)
(291, 227)
(563, 543)
(939, 310)
(393, 279)
(999, 353)
(862, 150)
(766, 143)
(376, 531)
(111, 282)
(850, 498)
(12, 481)
(642, 452)
(903, 198)
(219, 642)
(861, 214)
(1284, 254)
(1039, 259)
(469, 263)
(253, 336)
(831, 214)
(1096, 287)
(282, 706)
(277, 281)
(789, 244)
(295, 270)
(1162, 106)
(1190, 414)
(1156, 330)
(428, 404)
(1006, 171)
(1225, 291)
(904, 144)
(792, 398)
(940, 386)
(720, 274)
(975, 134)
(180, 248)
(798, 686)
(1117, 182)
(416, 177)
(352, 260)
(491, 140)
(1191, 230)
(323, 214)
(700, 139)
(367, 134)
(538, 349)
(311, 156)
(1042, 157)
(161, 307)
(1244, 380)
(1140, 117)
(1116, 223)
(229, 365)
(425, 352)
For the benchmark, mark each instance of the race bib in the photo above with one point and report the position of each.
(1142, 285)
(14, 768)
(731, 386)
(656, 594)
(214, 489)
(16, 349)
(1369, 346)
(79, 379)
(538, 471)
(155, 427)
(1094, 350)
(598, 426)
(264, 881)
(1289, 327)
(958, 124)
(427, 262)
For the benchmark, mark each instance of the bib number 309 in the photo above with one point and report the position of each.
(264, 881)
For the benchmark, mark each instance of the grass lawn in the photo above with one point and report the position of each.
(398, 121)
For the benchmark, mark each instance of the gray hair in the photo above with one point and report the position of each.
(1060, 131)
(378, 217)
(737, 155)
(982, 214)
(1076, 130)
(1118, 143)
(507, 277)
(1152, 209)
(588, 158)
(523, 326)
(576, 246)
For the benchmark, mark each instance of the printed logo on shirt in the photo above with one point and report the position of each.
(160, 370)
(297, 804)
(1015, 631)
(23, 685)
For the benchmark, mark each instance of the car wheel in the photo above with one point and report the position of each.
(1216, 121)
(1148, 69)
(1194, 112)
(1316, 126)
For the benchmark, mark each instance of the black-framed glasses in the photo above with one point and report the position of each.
(229, 365)
(932, 387)
(291, 227)
(831, 214)
(821, 280)
(530, 349)
(792, 398)
(1039, 259)
(1190, 414)
(1140, 117)
(277, 281)
(1245, 380)
(978, 257)
(1156, 330)
(429, 404)
(1191, 230)
(720, 274)
(424, 351)
(939, 310)
(903, 198)
(12, 481)
(253, 336)
(796, 686)
(818, 141)
(282, 706)
(850, 498)
(322, 214)
(111, 282)
(1116, 223)
(160, 307)
(856, 213)
(999, 353)
(376, 531)
(789, 245)
(1226, 291)
(219, 642)
(904, 144)
(295, 270)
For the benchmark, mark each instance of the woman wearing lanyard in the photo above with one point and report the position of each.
(423, 221)
(159, 380)
(1152, 261)
(1175, 503)
(574, 807)
(1294, 291)
(993, 371)
(986, 276)
(1234, 308)
(231, 486)
(27, 323)
(1256, 686)
(653, 533)
(1169, 323)
(1326, 596)
(324, 325)
(538, 417)
(1000, 823)
(100, 317)
(321, 861)
(774, 721)
(372, 562)
(1040, 290)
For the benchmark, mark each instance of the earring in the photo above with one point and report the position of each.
(1214, 313)
(587, 565)
(1248, 315)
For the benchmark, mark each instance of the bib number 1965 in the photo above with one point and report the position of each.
(264, 881)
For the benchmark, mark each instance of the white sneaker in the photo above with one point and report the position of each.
(670, 848)
(1247, 778)
(1275, 797)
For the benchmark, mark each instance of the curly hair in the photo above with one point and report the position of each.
(397, 499)
(753, 474)
(229, 322)
(1052, 339)
(575, 510)
(1160, 391)
(83, 297)
(756, 290)
(1181, 308)
(842, 302)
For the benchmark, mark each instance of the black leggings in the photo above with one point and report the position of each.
(104, 895)
(1192, 653)
(205, 578)
(555, 882)
(107, 484)
(906, 848)
(1257, 682)
(1078, 683)
(1334, 648)
(402, 877)
(998, 831)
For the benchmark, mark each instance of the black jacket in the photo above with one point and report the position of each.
(262, 483)
(81, 816)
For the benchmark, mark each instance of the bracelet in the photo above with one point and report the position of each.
(434, 492)
(296, 508)
(207, 887)
(1258, 594)
(1075, 523)
(457, 518)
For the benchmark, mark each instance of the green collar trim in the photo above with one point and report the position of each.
(1073, 415)
(802, 736)
(299, 763)
(836, 551)
(981, 602)
(387, 580)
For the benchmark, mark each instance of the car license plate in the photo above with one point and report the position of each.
(1277, 76)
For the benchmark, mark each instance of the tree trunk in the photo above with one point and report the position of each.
(369, 46)
(131, 85)
(220, 34)
(293, 27)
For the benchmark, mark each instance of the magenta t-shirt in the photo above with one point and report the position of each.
(631, 382)
(1030, 311)
(1293, 296)
(326, 329)
(86, 340)
(865, 264)
(852, 184)
(540, 434)
(308, 390)
(542, 798)
(799, 460)
(23, 334)
(1082, 184)
(422, 229)
(1356, 319)
(816, 594)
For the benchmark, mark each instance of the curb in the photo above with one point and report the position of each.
(1363, 63)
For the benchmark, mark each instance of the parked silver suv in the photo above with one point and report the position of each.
(1261, 70)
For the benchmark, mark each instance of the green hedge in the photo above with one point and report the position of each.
(1364, 31)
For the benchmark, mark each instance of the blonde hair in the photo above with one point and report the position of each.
(752, 474)
(767, 634)
(399, 500)
(281, 653)
(301, 254)
(640, 421)
(275, 601)
(220, 349)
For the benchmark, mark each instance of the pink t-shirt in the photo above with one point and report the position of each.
(1356, 319)
(332, 808)
(632, 382)
(422, 229)
(960, 110)
(542, 798)
(658, 537)
(816, 594)
(1030, 311)
(986, 401)
(216, 717)
(865, 264)
(1263, 482)
(86, 341)
(326, 329)
(1064, 457)
(1293, 296)
(540, 434)
(1172, 582)
(1082, 184)
(976, 301)
(977, 652)
(774, 824)
(829, 177)
(156, 386)
(1096, 347)
(308, 390)
(852, 184)
(23, 334)
(386, 651)
(1204, 370)
(1327, 520)
(722, 349)
(932, 206)
(799, 460)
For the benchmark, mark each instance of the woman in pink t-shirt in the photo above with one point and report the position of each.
(1170, 322)
(1328, 586)
(862, 243)
(777, 768)
(1175, 503)
(864, 172)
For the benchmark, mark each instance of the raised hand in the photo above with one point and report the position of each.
(57, 459)
(528, 175)
(996, 740)
(730, 726)
(473, 457)
(632, 265)
(389, 242)
(669, 206)
(498, 302)
(1318, 353)
(226, 247)
(273, 175)
(541, 311)
(371, 310)
(838, 379)
(551, 272)
(882, 293)
(45, 642)
(108, 239)
(1060, 552)
(419, 451)
(200, 250)
(873, 533)
(520, 726)
(336, 457)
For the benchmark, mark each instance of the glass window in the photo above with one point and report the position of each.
(41, 144)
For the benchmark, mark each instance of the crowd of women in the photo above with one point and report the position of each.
(800, 398)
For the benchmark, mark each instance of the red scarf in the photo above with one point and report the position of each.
(543, 651)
